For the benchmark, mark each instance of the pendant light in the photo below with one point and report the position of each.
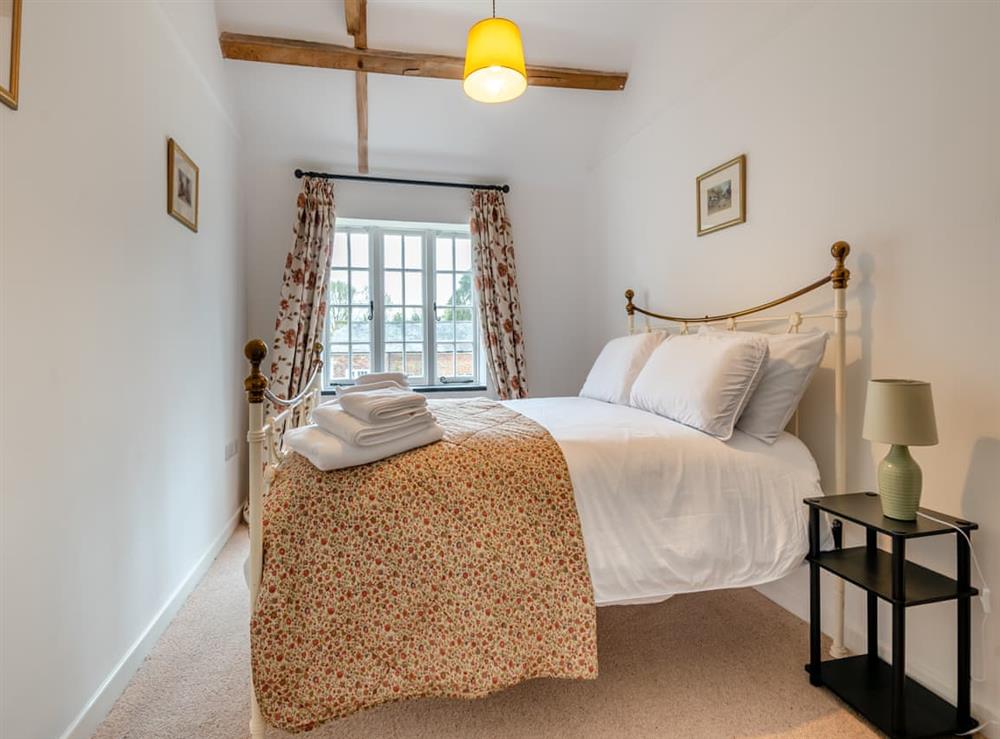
(494, 61)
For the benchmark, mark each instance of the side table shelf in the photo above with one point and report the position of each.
(873, 571)
(878, 690)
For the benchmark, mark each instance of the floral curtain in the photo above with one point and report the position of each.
(301, 317)
(496, 284)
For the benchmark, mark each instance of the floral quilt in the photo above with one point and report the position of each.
(457, 569)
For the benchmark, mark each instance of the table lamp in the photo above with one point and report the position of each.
(901, 413)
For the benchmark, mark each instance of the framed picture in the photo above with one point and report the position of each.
(10, 50)
(722, 196)
(182, 186)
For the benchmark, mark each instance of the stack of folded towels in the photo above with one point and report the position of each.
(378, 417)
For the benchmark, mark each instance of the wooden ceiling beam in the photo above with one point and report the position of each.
(356, 17)
(405, 63)
(361, 105)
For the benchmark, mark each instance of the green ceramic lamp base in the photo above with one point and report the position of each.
(899, 484)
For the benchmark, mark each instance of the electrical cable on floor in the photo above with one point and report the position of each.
(981, 726)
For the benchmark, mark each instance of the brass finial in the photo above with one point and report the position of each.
(840, 273)
(629, 308)
(256, 383)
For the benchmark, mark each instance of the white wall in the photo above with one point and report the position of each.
(122, 333)
(875, 123)
(427, 129)
(546, 240)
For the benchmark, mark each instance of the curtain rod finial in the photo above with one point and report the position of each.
(299, 173)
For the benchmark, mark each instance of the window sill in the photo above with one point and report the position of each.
(456, 388)
(431, 389)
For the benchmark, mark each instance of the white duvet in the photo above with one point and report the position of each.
(666, 509)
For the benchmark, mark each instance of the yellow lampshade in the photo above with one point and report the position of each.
(494, 62)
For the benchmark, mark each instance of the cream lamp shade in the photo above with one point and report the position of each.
(900, 412)
(494, 62)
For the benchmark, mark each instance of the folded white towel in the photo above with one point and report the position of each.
(335, 420)
(380, 406)
(384, 384)
(398, 377)
(327, 452)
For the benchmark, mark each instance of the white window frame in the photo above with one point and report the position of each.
(429, 232)
(369, 308)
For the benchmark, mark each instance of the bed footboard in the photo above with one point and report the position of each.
(266, 454)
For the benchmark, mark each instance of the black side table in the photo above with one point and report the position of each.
(882, 693)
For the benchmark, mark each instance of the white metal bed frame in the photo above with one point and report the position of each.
(266, 453)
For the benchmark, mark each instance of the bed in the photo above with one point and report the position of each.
(666, 509)
(661, 508)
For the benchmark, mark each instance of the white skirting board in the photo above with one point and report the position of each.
(792, 594)
(87, 721)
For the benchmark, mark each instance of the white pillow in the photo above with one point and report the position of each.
(617, 366)
(792, 361)
(702, 380)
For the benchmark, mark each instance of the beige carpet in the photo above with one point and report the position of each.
(722, 664)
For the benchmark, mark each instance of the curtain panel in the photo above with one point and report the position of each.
(496, 285)
(301, 320)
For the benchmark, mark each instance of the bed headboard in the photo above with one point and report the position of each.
(838, 277)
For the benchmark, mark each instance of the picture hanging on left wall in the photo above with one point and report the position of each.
(182, 186)
(10, 51)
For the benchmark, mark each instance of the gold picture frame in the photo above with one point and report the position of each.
(8, 93)
(183, 186)
(722, 196)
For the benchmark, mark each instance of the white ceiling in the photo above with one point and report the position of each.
(306, 116)
(584, 33)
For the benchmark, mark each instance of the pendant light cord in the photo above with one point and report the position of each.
(494, 8)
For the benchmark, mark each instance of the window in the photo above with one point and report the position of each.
(350, 311)
(401, 300)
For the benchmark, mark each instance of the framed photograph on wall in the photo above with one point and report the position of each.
(182, 186)
(10, 50)
(722, 196)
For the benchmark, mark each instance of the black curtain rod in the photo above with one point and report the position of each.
(396, 181)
